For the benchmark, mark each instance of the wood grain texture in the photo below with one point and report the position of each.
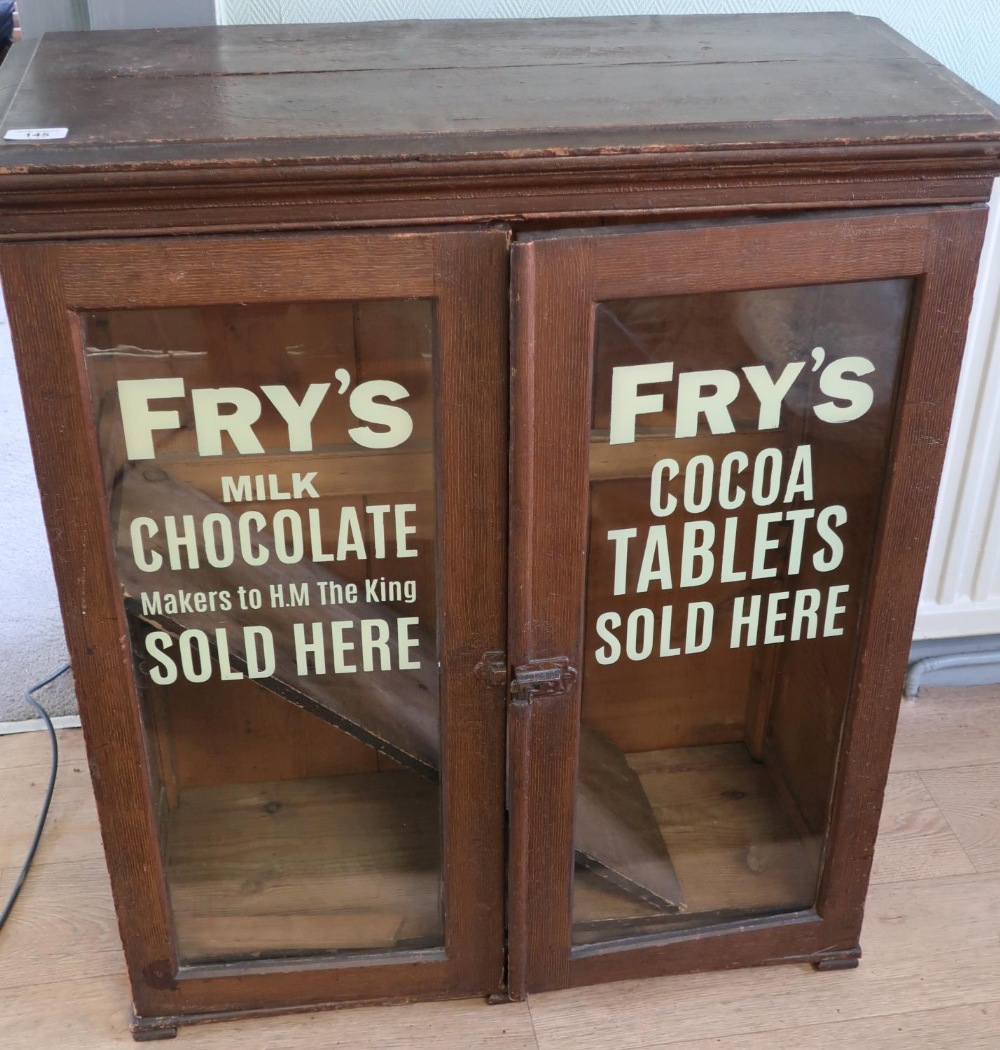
(92, 1014)
(197, 738)
(732, 846)
(735, 846)
(889, 1002)
(557, 278)
(418, 193)
(969, 799)
(50, 363)
(616, 834)
(32, 749)
(359, 854)
(915, 839)
(66, 905)
(22, 789)
(948, 727)
(630, 265)
(465, 273)
(191, 272)
(237, 50)
(974, 1027)
(480, 81)
(911, 927)
(923, 415)
(440, 122)
(596, 100)
(470, 280)
(550, 417)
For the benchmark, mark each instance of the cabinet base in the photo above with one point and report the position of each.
(146, 1031)
(848, 959)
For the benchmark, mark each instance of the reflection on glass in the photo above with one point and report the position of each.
(270, 478)
(738, 451)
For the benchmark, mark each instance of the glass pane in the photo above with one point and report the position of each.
(270, 479)
(738, 453)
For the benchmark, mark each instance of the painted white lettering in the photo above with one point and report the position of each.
(139, 420)
(627, 404)
(297, 414)
(839, 381)
(397, 421)
(771, 392)
(211, 423)
(708, 394)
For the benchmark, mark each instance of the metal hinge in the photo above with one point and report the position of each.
(539, 679)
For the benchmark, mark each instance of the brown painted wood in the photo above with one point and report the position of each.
(50, 363)
(440, 121)
(923, 416)
(557, 278)
(593, 190)
(477, 83)
(237, 51)
(465, 274)
(550, 430)
(188, 272)
(395, 132)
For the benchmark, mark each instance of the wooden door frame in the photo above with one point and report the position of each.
(557, 279)
(465, 272)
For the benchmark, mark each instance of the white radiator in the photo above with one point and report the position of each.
(961, 592)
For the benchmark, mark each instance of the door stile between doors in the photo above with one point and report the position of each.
(464, 274)
(471, 281)
(558, 279)
(550, 410)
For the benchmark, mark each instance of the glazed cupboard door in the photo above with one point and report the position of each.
(279, 479)
(726, 439)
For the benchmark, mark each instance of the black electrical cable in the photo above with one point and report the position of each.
(29, 698)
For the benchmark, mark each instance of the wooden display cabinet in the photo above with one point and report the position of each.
(488, 469)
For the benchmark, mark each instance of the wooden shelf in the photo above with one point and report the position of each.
(735, 849)
(352, 863)
(329, 864)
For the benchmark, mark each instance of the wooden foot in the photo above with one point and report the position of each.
(848, 959)
(498, 998)
(147, 1035)
(145, 1031)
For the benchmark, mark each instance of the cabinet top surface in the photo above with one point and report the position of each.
(258, 95)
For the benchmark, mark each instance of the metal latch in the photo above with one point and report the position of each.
(539, 679)
(492, 668)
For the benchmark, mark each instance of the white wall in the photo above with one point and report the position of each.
(143, 14)
(961, 593)
(31, 634)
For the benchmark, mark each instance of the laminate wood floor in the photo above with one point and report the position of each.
(929, 979)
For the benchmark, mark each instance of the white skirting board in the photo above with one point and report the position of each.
(36, 725)
(961, 591)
